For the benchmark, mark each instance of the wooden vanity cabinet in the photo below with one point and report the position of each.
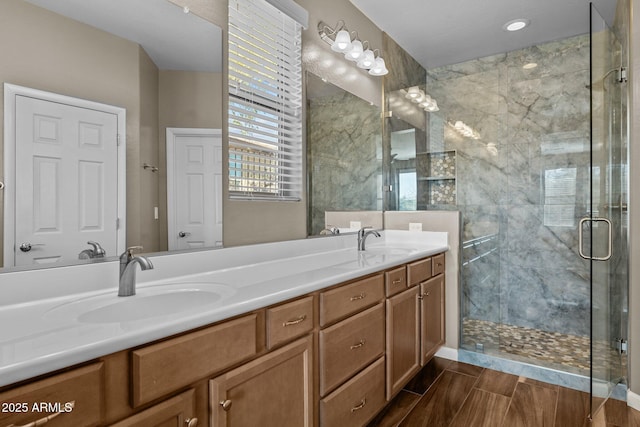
(351, 352)
(273, 390)
(415, 321)
(328, 358)
(432, 317)
(403, 339)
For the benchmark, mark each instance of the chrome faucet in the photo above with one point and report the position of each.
(128, 270)
(95, 252)
(363, 234)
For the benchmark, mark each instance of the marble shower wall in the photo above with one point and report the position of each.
(344, 156)
(520, 205)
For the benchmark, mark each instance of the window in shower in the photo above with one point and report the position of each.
(560, 197)
(407, 190)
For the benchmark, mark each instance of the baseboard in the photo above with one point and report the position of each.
(448, 353)
(633, 400)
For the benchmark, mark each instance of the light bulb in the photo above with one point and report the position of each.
(356, 51)
(379, 68)
(366, 60)
(413, 92)
(342, 43)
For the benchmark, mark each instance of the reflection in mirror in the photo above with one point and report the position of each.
(406, 128)
(344, 153)
(148, 58)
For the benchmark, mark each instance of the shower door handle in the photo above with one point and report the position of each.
(609, 239)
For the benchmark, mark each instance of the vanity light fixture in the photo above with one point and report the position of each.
(424, 101)
(343, 41)
(465, 130)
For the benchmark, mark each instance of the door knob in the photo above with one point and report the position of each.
(26, 246)
(226, 404)
(183, 234)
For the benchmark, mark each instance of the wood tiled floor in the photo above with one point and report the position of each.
(453, 394)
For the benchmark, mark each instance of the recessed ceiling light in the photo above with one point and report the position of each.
(516, 24)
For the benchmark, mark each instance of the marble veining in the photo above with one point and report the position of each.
(344, 155)
(521, 202)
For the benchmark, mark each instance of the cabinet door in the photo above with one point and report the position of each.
(178, 411)
(403, 339)
(273, 390)
(432, 315)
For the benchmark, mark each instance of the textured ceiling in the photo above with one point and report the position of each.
(447, 32)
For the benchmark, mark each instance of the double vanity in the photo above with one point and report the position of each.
(308, 332)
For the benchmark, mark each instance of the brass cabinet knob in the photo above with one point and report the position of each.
(191, 422)
(226, 404)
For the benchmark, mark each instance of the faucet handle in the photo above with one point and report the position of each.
(98, 251)
(132, 249)
(128, 254)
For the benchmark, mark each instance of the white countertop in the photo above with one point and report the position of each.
(40, 332)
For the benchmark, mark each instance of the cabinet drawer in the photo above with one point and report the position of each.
(395, 280)
(177, 411)
(438, 264)
(356, 402)
(418, 271)
(349, 346)
(161, 368)
(288, 321)
(348, 299)
(82, 386)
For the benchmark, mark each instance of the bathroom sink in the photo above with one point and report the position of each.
(149, 302)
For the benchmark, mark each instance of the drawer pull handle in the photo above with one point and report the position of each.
(226, 404)
(191, 422)
(360, 406)
(360, 344)
(295, 321)
(397, 281)
(359, 297)
(42, 421)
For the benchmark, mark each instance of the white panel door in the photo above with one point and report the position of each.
(66, 181)
(194, 189)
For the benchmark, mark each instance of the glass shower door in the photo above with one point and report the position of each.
(603, 231)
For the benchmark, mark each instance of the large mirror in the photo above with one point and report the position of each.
(344, 153)
(143, 72)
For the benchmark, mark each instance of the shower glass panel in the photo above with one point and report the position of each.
(522, 188)
(606, 225)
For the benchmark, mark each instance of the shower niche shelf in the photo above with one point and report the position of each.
(441, 177)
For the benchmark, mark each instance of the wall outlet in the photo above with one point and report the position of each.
(355, 224)
(415, 226)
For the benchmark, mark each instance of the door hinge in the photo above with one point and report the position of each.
(387, 188)
(622, 75)
(118, 139)
(621, 346)
(117, 223)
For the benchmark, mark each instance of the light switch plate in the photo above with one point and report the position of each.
(415, 226)
(355, 224)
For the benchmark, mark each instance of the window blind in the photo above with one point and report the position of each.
(265, 102)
